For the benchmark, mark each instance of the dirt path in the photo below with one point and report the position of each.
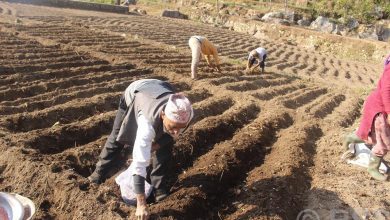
(262, 146)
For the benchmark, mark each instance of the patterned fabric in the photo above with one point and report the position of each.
(377, 102)
(380, 135)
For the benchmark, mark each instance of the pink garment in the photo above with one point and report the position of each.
(380, 136)
(377, 102)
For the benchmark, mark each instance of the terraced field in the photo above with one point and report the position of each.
(261, 146)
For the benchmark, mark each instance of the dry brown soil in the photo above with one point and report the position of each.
(262, 146)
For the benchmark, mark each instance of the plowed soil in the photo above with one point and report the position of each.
(262, 146)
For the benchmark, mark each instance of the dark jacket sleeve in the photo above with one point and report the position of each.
(165, 140)
(139, 184)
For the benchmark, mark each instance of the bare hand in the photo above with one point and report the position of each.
(142, 212)
(155, 146)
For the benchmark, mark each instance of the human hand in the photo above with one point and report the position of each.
(142, 212)
(253, 69)
(155, 146)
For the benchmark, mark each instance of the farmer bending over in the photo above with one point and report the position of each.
(149, 116)
(201, 45)
(257, 56)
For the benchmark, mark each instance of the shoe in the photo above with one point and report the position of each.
(351, 138)
(96, 178)
(160, 194)
(373, 168)
(349, 154)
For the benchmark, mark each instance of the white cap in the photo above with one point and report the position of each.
(179, 109)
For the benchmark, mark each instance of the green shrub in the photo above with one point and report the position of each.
(386, 9)
(362, 10)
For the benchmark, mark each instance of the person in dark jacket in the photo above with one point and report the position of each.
(149, 117)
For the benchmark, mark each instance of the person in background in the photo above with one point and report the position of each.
(149, 117)
(201, 45)
(257, 56)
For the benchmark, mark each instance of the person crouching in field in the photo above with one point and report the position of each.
(201, 45)
(149, 117)
(374, 126)
(259, 54)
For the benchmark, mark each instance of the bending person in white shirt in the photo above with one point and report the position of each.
(259, 54)
(149, 116)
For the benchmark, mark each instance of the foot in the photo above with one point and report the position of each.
(351, 138)
(373, 168)
(160, 194)
(96, 178)
(349, 154)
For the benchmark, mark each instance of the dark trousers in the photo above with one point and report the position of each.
(112, 149)
(262, 63)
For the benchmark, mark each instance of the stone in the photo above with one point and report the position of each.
(385, 36)
(141, 11)
(368, 32)
(173, 14)
(130, 2)
(323, 24)
(272, 15)
(352, 24)
(285, 18)
(339, 30)
(255, 18)
(290, 16)
(303, 22)
(284, 22)
(383, 30)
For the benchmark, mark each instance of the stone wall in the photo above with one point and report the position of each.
(335, 45)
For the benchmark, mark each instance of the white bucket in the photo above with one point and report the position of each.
(15, 207)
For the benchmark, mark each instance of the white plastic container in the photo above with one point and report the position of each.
(125, 182)
(360, 156)
(12, 206)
